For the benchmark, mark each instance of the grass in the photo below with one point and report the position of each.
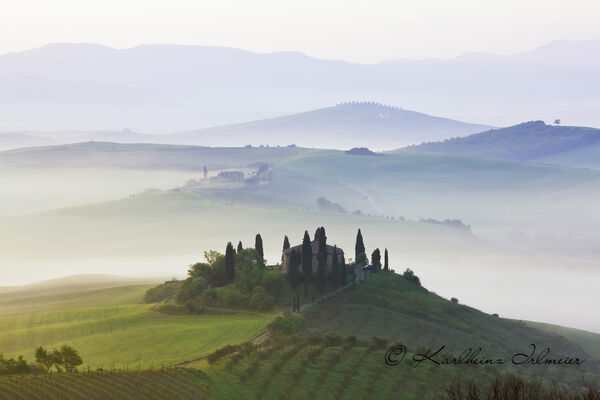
(110, 327)
(390, 307)
(589, 341)
(302, 369)
(143, 385)
(319, 362)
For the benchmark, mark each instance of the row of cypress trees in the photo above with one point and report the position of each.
(230, 256)
(300, 268)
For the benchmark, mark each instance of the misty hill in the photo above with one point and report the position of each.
(524, 142)
(141, 156)
(166, 88)
(69, 284)
(18, 140)
(343, 126)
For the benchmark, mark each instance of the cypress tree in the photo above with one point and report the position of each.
(286, 245)
(258, 245)
(229, 263)
(376, 259)
(335, 269)
(239, 246)
(343, 272)
(286, 242)
(294, 278)
(386, 266)
(205, 170)
(306, 261)
(322, 261)
(359, 250)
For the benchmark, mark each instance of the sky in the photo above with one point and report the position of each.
(353, 30)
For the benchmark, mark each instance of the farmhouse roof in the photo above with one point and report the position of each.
(315, 248)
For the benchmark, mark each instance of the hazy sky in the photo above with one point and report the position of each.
(355, 30)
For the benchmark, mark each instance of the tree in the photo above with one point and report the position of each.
(205, 170)
(43, 357)
(557, 122)
(386, 266)
(322, 260)
(286, 243)
(57, 360)
(294, 278)
(376, 259)
(317, 234)
(239, 246)
(335, 268)
(360, 256)
(410, 276)
(306, 258)
(229, 263)
(343, 272)
(70, 358)
(258, 245)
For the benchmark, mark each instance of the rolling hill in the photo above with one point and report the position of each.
(111, 326)
(529, 141)
(162, 232)
(331, 353)
(346, 125)
(334, 354)
(339, 127)
(166, 88)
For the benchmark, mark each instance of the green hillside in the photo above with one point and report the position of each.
(188, 223)
(340, 350)
(144, 385)
(331, 355)
(111, 327)
(390, 307)
(589, 341)
(142, 156)
(527, 141)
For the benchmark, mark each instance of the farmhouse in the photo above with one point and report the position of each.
(228, 176)
(315, 251)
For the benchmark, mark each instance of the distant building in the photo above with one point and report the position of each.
(315, 251)
(228, 176)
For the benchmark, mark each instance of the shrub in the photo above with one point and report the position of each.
(286, 325)
(220, 353)
(410, 276)
(231, 296)
(162, 291)
(261, 300)
(189, 289)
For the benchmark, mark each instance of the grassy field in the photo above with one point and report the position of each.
(110, 327)
(336, 357)
(589, 341)
(390, 307)
(305, 370)
(176, 384)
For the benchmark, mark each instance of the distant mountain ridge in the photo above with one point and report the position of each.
(346, 125)
(167, 88)
(352, 124)
(528, 141)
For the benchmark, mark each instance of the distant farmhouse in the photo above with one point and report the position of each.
(315, 252)
(228, 176)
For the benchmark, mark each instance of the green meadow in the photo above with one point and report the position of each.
(111, 327)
